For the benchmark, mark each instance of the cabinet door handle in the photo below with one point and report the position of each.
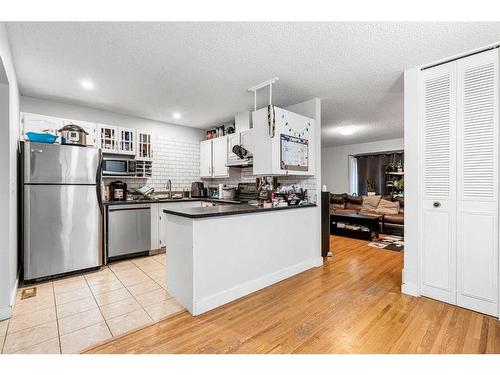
(437, 204)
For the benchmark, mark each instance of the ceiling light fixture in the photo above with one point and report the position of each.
(87, 85)
(348, 130)
(177, 115)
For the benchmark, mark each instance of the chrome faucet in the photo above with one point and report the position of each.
(168, 186)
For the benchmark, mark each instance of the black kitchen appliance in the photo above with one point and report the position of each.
(118, 191)
(247, 191)
(118, 167)
(72, 134)
(198, 190)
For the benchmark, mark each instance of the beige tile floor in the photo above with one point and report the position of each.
(71, 314)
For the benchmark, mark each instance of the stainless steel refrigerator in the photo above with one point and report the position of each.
(62, 209)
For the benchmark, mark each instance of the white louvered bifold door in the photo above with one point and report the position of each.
(477, 182)
(438, 176)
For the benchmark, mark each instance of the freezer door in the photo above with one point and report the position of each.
(60, 164)
(63, 229)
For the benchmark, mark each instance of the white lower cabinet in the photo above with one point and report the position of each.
(161, 223)
(155, 228)
(459, 251)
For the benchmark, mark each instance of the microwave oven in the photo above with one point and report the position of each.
(118, 167)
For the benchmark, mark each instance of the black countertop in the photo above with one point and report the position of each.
(225, 210)
(166, 200)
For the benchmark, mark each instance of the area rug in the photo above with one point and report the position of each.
(394, 243)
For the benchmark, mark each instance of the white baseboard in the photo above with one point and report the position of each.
(6, 312)
(410, 289)
(242, 290)
(13, 293)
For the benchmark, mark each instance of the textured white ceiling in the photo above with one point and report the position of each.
(203, 70)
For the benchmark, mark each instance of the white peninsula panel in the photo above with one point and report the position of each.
(215, 260)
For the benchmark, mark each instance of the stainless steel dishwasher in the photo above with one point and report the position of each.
(128, 230)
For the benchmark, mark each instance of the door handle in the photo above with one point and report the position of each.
(36, 150)
(437, 204)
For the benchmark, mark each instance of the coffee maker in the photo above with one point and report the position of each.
(118, 191)
(198, 190)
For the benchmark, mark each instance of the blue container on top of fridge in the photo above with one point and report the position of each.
(41, 137)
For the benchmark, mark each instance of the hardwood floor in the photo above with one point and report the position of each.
(352, 304)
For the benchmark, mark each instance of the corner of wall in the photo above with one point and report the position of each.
(411, 144)
(9, 261)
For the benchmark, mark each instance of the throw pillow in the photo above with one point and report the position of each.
(370, 203)
(387, 207)
(354, 202)
(338, 199)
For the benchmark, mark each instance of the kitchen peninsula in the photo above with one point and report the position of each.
(221, 253)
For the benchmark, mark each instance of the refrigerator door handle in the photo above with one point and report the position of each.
(98, 183)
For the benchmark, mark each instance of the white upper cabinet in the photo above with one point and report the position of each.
(247, 140)
(31, 122)
(206, 158)
(283, 143)
(232, 140)
(243, 138)
(219, 146)
(213, 158)
(144, 146)
(39, 123)
(116, 139)
(107, 137)
(126, 141)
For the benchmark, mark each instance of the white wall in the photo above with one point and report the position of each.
(335, 171)
(8, 187)
(312, 108)
(410, 271)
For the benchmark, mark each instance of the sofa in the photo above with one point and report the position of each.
(390, 223)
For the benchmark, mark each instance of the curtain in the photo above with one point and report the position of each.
(353, 175)
(372, 167)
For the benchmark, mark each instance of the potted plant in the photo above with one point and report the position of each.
(390, 167)
(371, 186)
(400, 184)
(399, 167)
